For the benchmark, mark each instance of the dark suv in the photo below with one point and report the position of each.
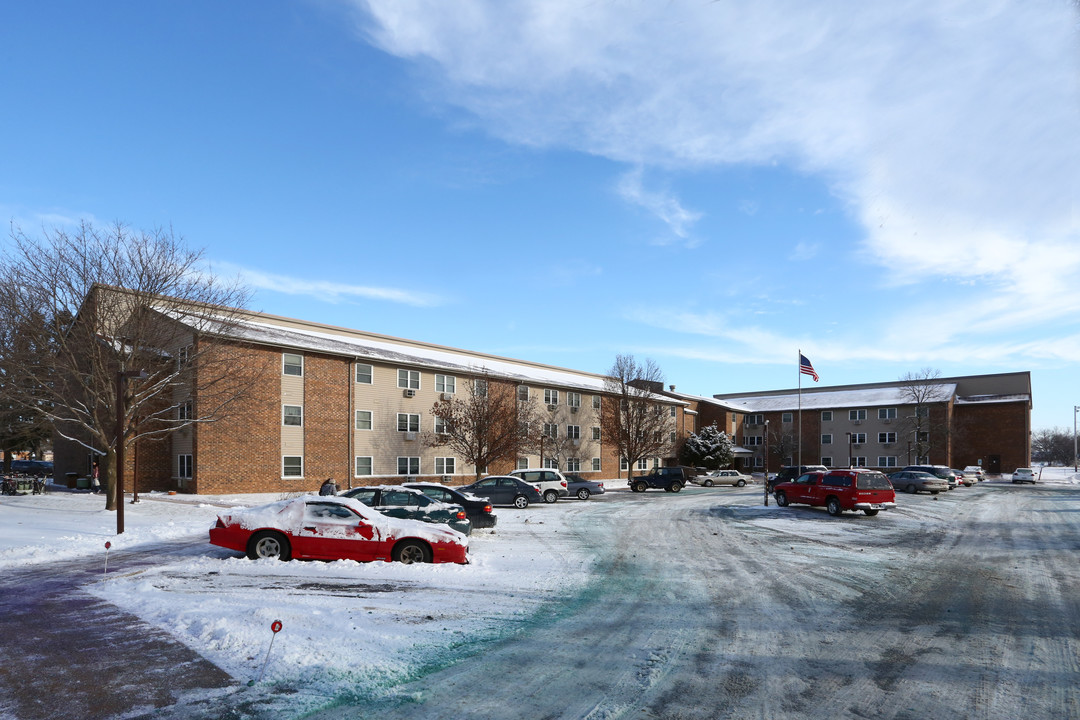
(672, 479)
(789, 473)
(40, 468)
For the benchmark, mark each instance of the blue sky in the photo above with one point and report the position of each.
(712, 185)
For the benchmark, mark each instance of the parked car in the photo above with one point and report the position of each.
(946, 474)
(505, 490)
(914, 481)
(791, 472)
(402, 502)
(478, 509)
(671, 479)
(313, 527)
(840, 490)
(581, 488)
(722, 477)
(976, 471)
(552, 484)
(1023, 475)
(963, 478)
(38, 468)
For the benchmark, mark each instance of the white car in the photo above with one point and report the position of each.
(976, 471)
(722, 477)
(1024, 475)
(551, 483)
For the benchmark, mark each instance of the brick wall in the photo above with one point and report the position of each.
(983, 431)
(326, 420)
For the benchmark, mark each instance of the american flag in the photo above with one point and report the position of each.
(806, 368)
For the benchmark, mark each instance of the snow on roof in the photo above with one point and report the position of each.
(975, 399)
(826, 399)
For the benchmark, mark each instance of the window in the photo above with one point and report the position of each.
(551, 397)
(596, 402)
(551, 463)
(886, 461)
(183, 355)
(886, 414)
(183, 411)
(858, 461)
(573, 432)
(673, 411)
(408, 422)
(757, 419)
(523, 463)
(826, 439)
(444, 466)
(445, 383)
(826, 416)
(408, 379)
(292, 415)
(408, 466)
(858, 438)
(886, 437)
(827, 461)
(643, 464)
(922, 411)
(758, 462)
(363, 420)
(480, 388)
(573, 465)
(573, 399)
(363, 466)
(292, 466)
(523, 393)
(596, 432)
(854, 415)
(752, 441)
(786, 417)
(622, 464)
(440, 426)
(671, 436)
(292, 364)
(183, 466)
(551, 430)
(596, 464)
(363, 374)
(923, 437)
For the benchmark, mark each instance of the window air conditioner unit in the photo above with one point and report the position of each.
(856, 422)
(551, 408)
(445, 396)
(573, 409)
(887, 421)
(410, 436)
(409, 393)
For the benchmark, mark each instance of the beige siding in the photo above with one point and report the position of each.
(292, 393)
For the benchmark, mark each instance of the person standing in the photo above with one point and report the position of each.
(328, 487)
(95, 482)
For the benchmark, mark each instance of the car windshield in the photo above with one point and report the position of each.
(872, 481)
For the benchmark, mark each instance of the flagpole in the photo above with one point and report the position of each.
(799, 363)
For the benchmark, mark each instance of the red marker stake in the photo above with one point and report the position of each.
(276, 628)
(107, 546)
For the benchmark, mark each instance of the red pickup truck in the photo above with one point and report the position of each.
(839, 490)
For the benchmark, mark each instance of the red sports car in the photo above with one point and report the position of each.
(314, 527)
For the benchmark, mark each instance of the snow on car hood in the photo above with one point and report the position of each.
(288, 515)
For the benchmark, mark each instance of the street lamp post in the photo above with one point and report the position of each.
(766, 463)
(121, 383)
(1076, 409)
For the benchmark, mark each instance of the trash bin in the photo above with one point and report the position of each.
(82, 483)
(71, 478)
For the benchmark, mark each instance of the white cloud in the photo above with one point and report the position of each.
(325, 291)
(948, 126)
(663, 205)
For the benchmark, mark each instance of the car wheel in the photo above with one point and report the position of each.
(871, 513)
(550, 496)
(521, 502)
(676, 487)
(833, 506)
(640, 487)
(707, 483)
(781, 498)
(741, 483)
(910, 489)
(583, 494)
(411, 551)
(934, 492)
(268, 544)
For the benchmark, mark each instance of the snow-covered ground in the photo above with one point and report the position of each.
(348, 627)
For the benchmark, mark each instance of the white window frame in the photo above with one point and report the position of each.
(445, 465)
(184, 410)
(551, 463)
(370, 466)
(826, 416)
(573, 465)
(285, 466)
(886, 438)
(297, 416)
(827, 461)
(595, 432)
(551, 430)
(523, 463)
(787, 417)
(573, 399)
(286, 365)
(359, 420)
(410, 424)
(596, 402)
(440, 426)
(596, 464)
(858, 438)
(551, 396)
(446, 384)
(183, 356)
(184, 466)
(886, 413)
(573, 432)
(826, 439)
(886, 461)
(523, 393)
(858, 461)
(365, 378)
(411, 468)
(408, 379)
(856, 415)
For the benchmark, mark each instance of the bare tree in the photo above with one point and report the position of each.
(561, 446)
(921, 390)
(636, 421)
(485, 424)
(99, 310)
(1052, 445)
